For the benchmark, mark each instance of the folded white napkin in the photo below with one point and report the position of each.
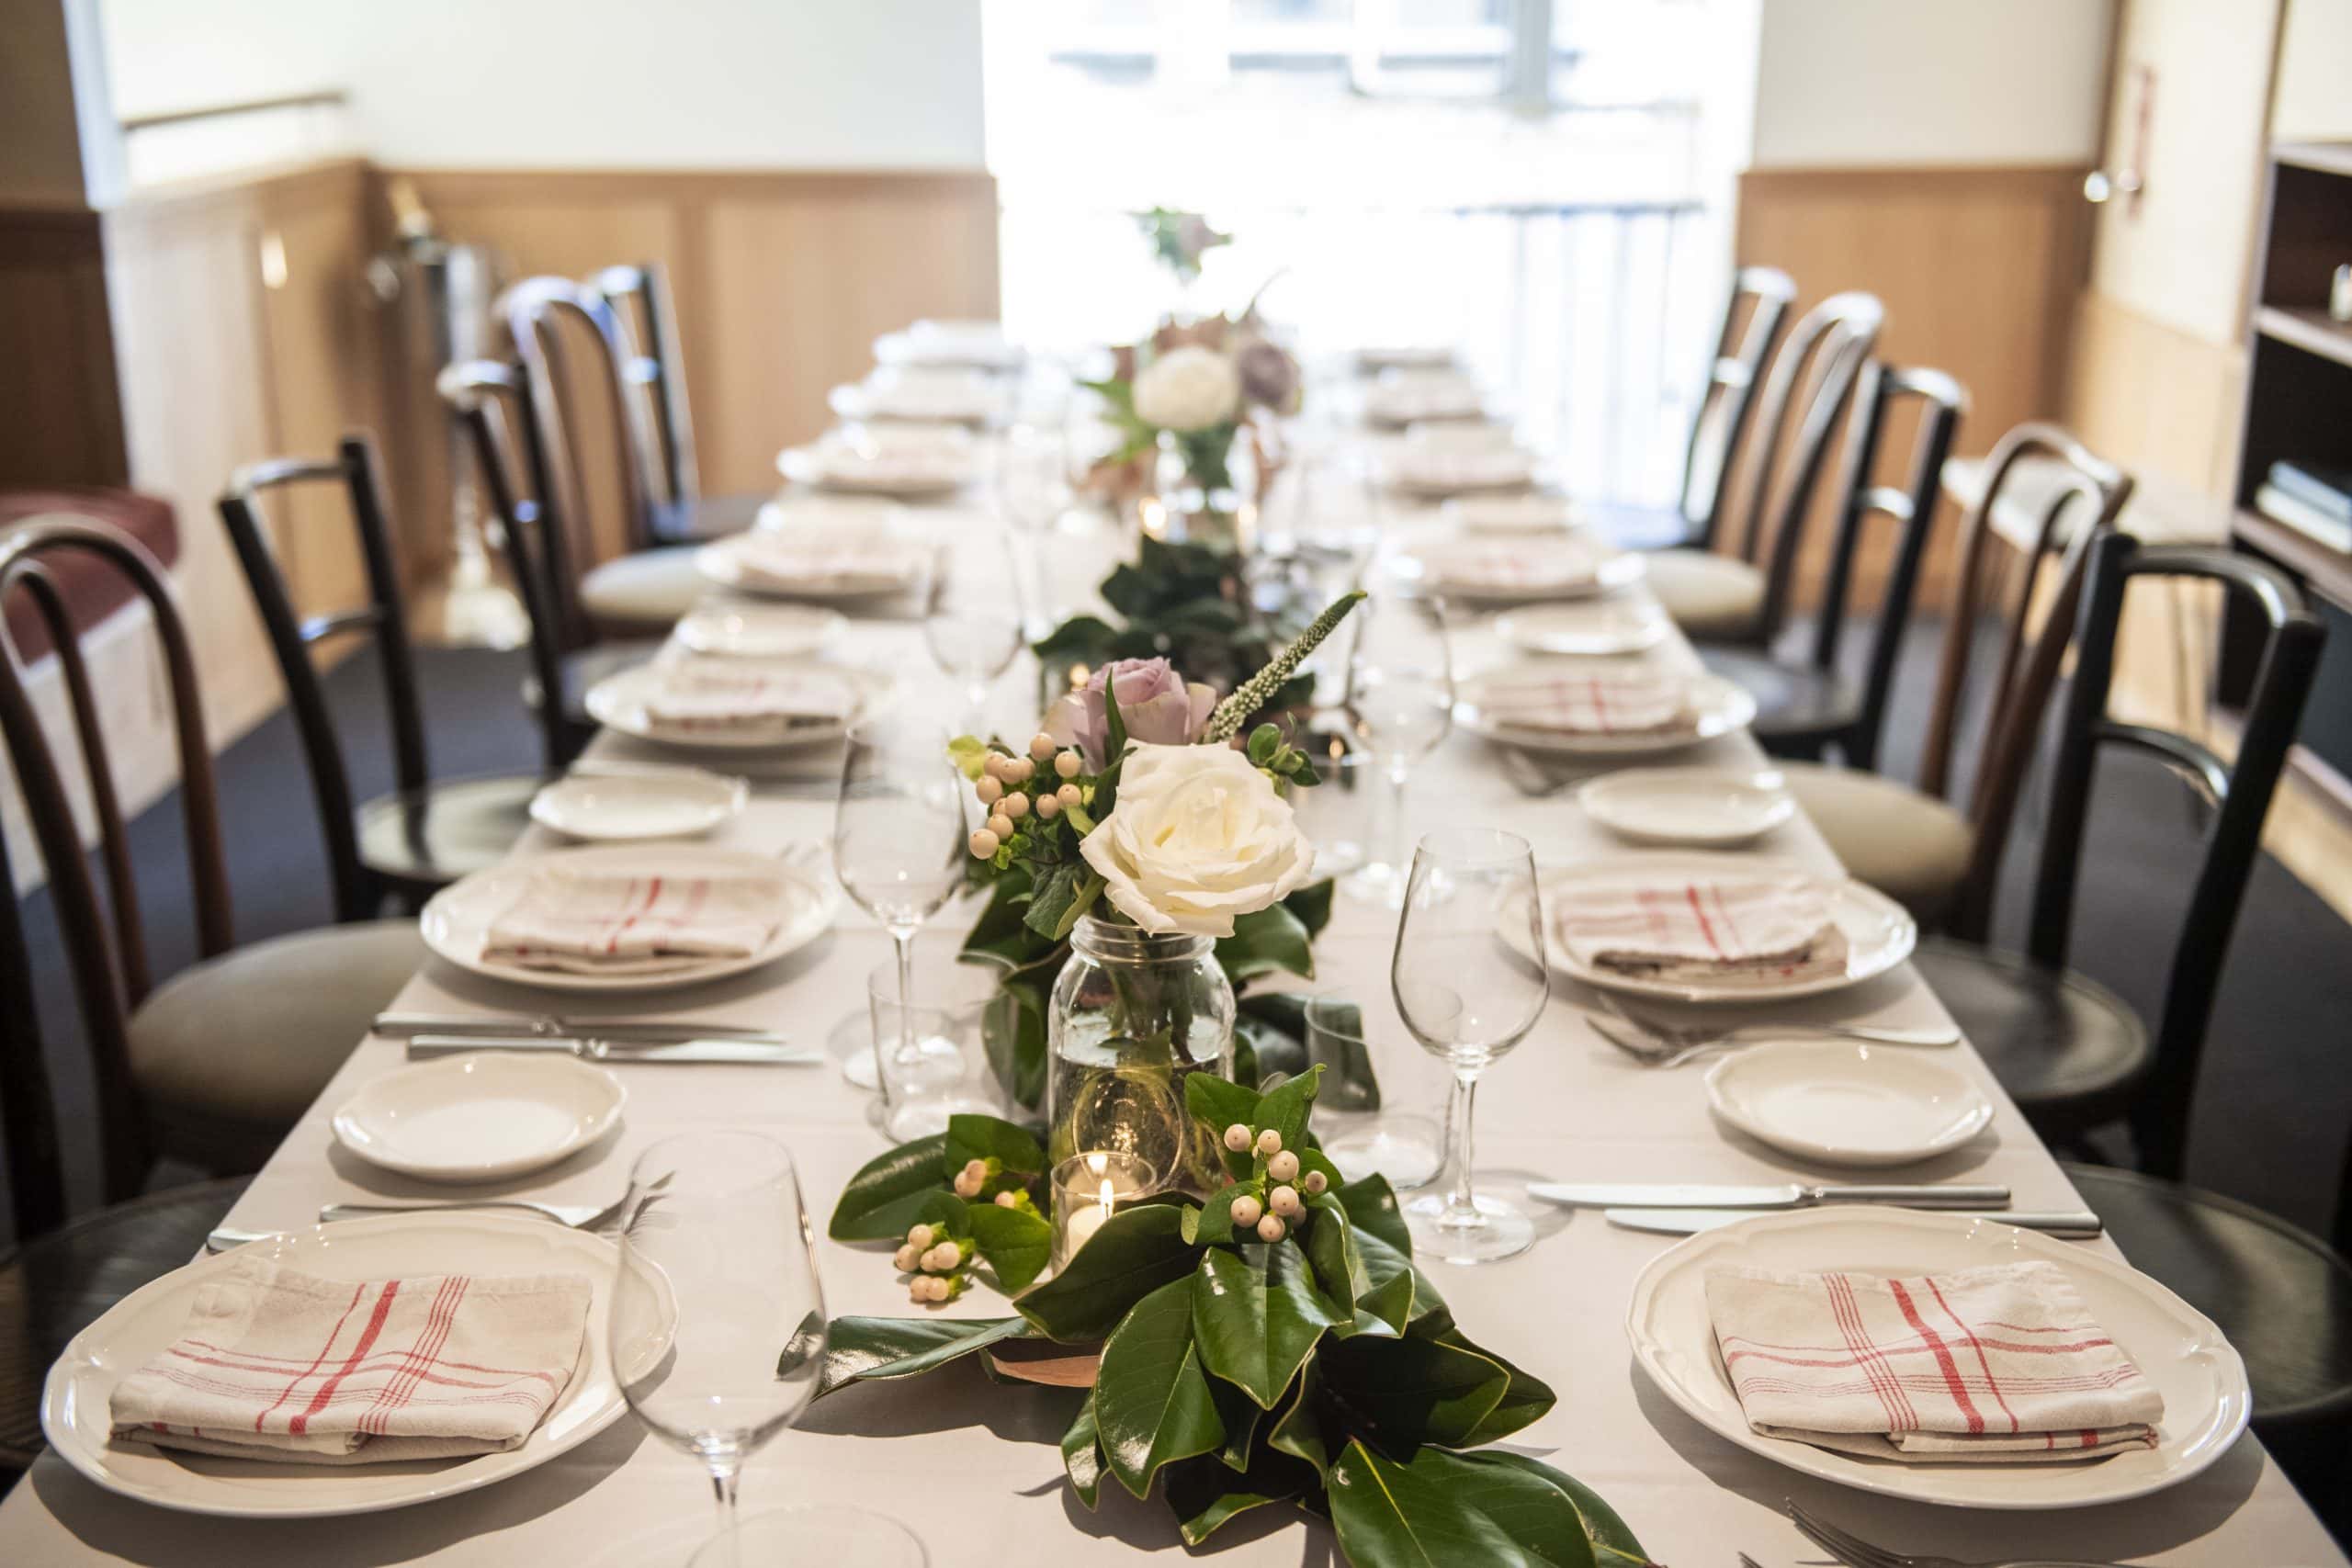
(607, 923)
(1578, 699)
(705, 699)
(1563, 563)
(1764, 930)
(932, 392)
(282, 1365)
(1403, 397)
(2001, 1364)
(818, 560)
(1545, 515)
(895, 457)
(1445, 470)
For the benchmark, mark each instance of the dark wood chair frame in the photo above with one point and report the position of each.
(536, 311)
(653, 365)
(1754, 320)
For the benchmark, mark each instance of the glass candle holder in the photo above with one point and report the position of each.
(1089, 1187)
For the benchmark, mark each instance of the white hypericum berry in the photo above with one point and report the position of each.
(1006, 1201)
(991, 790)
(1015, 806)
(978, 1169)
(918, 1289)
(1069, 795)
(984, 843)
(992, 764)
(1068, 765)
(1246, 1210)
(1284, 1166)
(1315, 1181)
(1019, 770)
(919, 1238)
(905, 1259)
(1270, 1142)
(1272, 1229)
(999, 824)
(1284, 1200)
(1236, 1138)
(1041, 746)
(967, 1185)
(1049, 807)
(945, 1257)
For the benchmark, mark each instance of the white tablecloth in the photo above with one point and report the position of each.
(982, 1459)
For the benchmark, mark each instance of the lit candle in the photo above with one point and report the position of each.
(1088, 1189)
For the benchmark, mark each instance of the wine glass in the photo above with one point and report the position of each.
(717, 1325)
(974, 629)
(1469, 994)
(899, 844)
(1033, 491)
(1400, 702)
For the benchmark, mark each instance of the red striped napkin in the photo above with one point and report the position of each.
(604, 923)
(1575, 699)
(698, 699)
(1443, 470)
(1766, 930)
(817, 558)
(2001, 1365)
(1492, 564)
(282, 1365)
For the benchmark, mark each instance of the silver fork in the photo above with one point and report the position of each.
(1667, 1046)
(1535, 781)
(579, 1216)
(1853, 1549)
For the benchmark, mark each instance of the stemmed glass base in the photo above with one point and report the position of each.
(835, 1537)
(1498, 1230)
(851, 1041)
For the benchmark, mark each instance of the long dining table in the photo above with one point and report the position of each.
(972, 1466)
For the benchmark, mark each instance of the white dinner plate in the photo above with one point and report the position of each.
(73, 1412)
(479, 1118)
(1880, 934)
(619, 702)
(1604, 625)
(456, 921)
(721, 563)
(760, 631)
(910, 474)
(1847, 1104)
(1717, 708)
(610, 802)
(1695, 808)
(1611, 569)
(1513, 514)
(2183, 1354)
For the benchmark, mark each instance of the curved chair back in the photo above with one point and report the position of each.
(654, 369)
(28, 1113)
(1815, 370)
(2239, 791)
(384, 619)
(106, 944)
(1753, 321)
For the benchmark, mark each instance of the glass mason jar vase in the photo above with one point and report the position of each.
(1134, 1015)
(1205, 486)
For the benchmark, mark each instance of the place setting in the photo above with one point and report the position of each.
(936, 394)
(816, 558)
(1515, 570)
(1600, 709)
(908, 459)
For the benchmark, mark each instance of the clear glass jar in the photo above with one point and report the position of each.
(1134, 1015)
(1206, 487)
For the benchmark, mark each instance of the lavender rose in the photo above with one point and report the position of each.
(1269, 375)
(1159, 707)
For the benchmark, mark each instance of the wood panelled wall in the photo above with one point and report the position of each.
(1980, 268)
(60, 421)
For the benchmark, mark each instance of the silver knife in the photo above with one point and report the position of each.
(1783, 1195)
(1684, 1221)
(407, 1025)
(772, 1053)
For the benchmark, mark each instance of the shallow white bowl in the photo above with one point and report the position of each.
(647, 803)
(1847, 1104)
(760, 631)
(479, 1118)
(1703, 807)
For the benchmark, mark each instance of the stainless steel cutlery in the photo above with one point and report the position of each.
(2075, 1225)
(407, 1025)
(739, 1050)
(1856, 1553)
(1768, 1195)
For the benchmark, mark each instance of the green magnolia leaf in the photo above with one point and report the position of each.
(1526, 1397)
(1015, 1241)
(1137, 1251)
(971, 1136)
(1298, 1429)
(942, 1210)
(1240, 1415)
(1256, 1323)
(1246, 1036)
(1392, 1285)
(1215, 1225)
(1151, 1398)
(1330, 1247)
(1404, 1391)
(1055, 896)
(1373, 1209)
(1613, 1544)
(1312, 904)
(1284, 1107)
(1210, 1098)
(868, 1349)
(1440, 1509)
(1083, 639)
(1270, 941)
(1083, 1455)
(1206, 1495)
(882, 1199)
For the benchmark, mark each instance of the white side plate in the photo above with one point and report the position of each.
(1717, 708)
(613, 803)
(2200, 1377)
(1847, 1104)
(479, 1118)
(760, 631)
(619, 702)
(721, 563)
(1700, 808)
(1604, 626)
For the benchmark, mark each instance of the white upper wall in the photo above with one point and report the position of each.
(584, 83)
(1847, 82)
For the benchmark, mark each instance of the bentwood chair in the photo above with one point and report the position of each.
(1941, 861)
(1743, 598)
(424, 836)
(2070, 1053)
(653, 370)
(214, 1064)
(1753, 321)
(60, 1277)
(1803, 710)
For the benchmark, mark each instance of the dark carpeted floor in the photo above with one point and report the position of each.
(2274, 1110)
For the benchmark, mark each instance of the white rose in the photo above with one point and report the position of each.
(1187, 389)
(1197, 837)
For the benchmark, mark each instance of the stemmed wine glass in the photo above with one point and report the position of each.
(1469, 994)
(974, 629)
(717, 1325)
(1033, 490)
(1400, 702)
(899, 837)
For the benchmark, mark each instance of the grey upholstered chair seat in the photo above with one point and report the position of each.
(650, 591)
(229, 1054)
(1911, 847)
(1713, 598)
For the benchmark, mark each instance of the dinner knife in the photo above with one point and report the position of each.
(1779, 1195)
(1684, 1221)
(774, 1053)
(407, 1025)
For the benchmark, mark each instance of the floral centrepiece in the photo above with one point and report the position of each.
(1190, 390)
(1273, 1344)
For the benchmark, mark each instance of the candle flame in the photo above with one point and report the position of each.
(1106, 1197)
